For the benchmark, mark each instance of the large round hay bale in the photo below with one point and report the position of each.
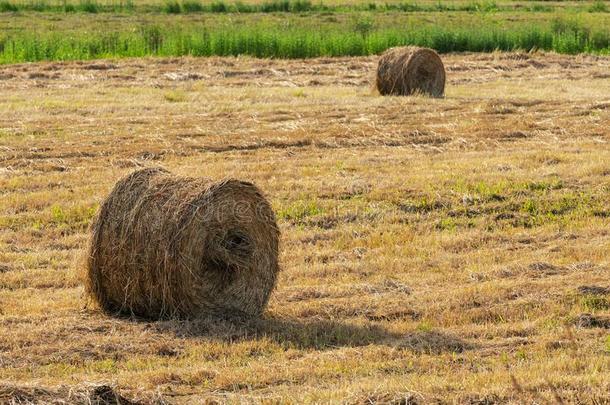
(410, 70)
(165, 246)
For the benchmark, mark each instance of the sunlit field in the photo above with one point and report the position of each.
(433, 250)
(450, 249)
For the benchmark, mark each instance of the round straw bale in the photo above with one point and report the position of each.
(407, 70)
(165, 246)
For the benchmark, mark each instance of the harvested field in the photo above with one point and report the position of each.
(452, 249)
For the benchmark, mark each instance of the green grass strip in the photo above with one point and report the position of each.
(293, 43)
(281, 6)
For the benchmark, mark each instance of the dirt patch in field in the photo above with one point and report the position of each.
(593, 321)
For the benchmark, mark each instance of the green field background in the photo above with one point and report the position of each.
(363, 29)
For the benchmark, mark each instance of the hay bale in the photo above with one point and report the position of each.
(410, 70)
(165, 246)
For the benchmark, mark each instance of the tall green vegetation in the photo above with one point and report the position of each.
(361, 38)
(34, 36)
(282, 6)
(6, 6)
(599, 6)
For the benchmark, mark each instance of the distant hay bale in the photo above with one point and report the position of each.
(165, 246)
(410, 70)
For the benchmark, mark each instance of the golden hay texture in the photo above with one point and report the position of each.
(410, 70)
(166, 246)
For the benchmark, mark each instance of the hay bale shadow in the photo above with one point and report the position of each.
(88, 394)
(313, 334)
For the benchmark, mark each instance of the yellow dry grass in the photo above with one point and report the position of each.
(433, 249)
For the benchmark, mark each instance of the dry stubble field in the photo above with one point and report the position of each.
(455, 250)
